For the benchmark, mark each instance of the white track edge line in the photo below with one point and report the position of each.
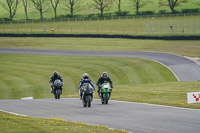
(13, 113)
(65, 120)
(168, 68)
(149, 104)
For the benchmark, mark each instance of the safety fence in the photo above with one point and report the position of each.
(98, 18)
(174, 24)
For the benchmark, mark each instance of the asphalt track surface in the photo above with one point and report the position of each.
(183, 68)
(133, 117)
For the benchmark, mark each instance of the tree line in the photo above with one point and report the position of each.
(76, 5)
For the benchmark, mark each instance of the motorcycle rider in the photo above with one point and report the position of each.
(85, 79)
(54, 77)
(104, 78)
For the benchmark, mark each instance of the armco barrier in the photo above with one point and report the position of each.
(192, 37)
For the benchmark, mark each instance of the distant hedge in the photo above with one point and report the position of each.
(192, 37)
(190, 10)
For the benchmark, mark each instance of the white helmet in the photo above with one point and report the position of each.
(85, 76)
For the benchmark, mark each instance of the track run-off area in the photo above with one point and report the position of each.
(133, 117)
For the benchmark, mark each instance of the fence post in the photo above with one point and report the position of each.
(178, 27)
(44, 27)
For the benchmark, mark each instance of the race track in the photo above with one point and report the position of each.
(183, 68)
(133, 117)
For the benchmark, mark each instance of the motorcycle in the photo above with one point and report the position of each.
(57, 86)
(105, 93)
(87, 94)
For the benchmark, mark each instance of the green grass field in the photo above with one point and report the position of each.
(185, 48)
(10, 123)
(87, 8)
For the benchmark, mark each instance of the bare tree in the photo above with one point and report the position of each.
(137, 4)
(25, 4)
(11, 7)
(119, 3)
(73, 6)
(171, 3)
(102, 5)
(40, 5)
(54, 4)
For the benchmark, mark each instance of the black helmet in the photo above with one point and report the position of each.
(55, 73)
(85, 76)
(104, 75)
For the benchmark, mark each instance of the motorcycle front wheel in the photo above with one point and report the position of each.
(89, 100)
(57, 94)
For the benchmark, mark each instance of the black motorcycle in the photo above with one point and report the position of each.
(87, 94)
(57, 88)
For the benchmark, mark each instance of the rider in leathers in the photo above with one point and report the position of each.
(54, 77)
(104, 78)
(85, 79)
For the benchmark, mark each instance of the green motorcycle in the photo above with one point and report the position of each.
(105, 93)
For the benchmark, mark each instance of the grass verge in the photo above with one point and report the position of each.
(171, 93)
(10, 123)
(28, 75)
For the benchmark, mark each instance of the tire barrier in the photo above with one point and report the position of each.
(180, 37)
